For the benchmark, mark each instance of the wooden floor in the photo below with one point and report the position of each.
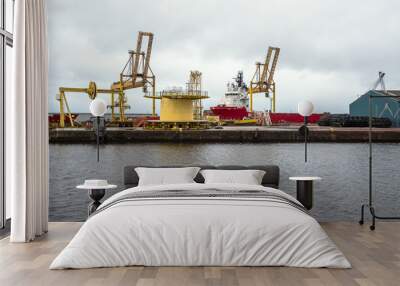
(375, 257)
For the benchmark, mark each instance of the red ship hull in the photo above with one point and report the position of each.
(284, 118)
(230, 112)
(55, 118)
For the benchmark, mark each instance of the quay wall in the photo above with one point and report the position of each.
(229, 135)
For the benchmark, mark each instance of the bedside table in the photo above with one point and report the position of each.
(304, 190)
(96, 191)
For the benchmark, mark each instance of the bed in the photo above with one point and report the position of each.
(198, 224)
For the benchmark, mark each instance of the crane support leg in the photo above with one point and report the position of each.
(71, 120)
(112, 107)
(62, 116)
(273, 98)
(251, 99)
(121, 106)
(154, 100)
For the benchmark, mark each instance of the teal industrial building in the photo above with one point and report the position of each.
(388, 107)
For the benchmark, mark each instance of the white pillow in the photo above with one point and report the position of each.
(166, 176)
(248, 177)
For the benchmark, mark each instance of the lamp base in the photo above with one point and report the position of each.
(374, 216)
(303, 129)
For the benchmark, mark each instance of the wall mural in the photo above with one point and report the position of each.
(199, 83)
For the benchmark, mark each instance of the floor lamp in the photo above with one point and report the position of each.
(370, 204)
(98, 108)
(305, 108)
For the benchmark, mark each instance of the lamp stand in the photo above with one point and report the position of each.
(305, 137)
(98, 138)
(370, 204)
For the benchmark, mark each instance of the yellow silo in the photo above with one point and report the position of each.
(176, 109)
(179, 107)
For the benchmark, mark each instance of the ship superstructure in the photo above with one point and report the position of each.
(236, 101)
(236, 94)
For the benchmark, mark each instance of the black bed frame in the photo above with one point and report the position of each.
(270, 179)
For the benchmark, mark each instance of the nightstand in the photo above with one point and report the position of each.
(96, 190)
(304, 190)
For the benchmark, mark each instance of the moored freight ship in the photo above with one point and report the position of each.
(236, 101)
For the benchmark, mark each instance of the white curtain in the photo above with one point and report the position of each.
(27, 122)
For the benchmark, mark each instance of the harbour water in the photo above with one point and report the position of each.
(338, 196)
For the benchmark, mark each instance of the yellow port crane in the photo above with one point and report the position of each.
(91, 91)
(136, 73)
(263, 78)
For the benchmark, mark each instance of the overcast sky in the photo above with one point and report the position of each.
(331, 51)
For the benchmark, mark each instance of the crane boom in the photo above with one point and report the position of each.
(148, 55)
(137, 57)
(137, 71)
(273, 66)
(380, 81)
(263, 78)
(266, 64)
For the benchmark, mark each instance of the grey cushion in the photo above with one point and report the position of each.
(270, 179)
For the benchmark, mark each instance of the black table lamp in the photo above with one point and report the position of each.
(305, 108)
(98, 108)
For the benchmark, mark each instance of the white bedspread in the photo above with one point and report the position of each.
(211, 231)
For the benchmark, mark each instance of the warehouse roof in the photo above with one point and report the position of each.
(390, 92)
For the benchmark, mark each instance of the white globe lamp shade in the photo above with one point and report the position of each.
(305, 108)
(98, 107)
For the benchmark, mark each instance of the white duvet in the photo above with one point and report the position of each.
(212, 231)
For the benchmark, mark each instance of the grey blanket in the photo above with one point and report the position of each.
(206, 194)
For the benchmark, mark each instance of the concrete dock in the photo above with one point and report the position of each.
(243, 134)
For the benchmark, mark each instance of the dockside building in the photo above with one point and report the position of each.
(381, 107)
